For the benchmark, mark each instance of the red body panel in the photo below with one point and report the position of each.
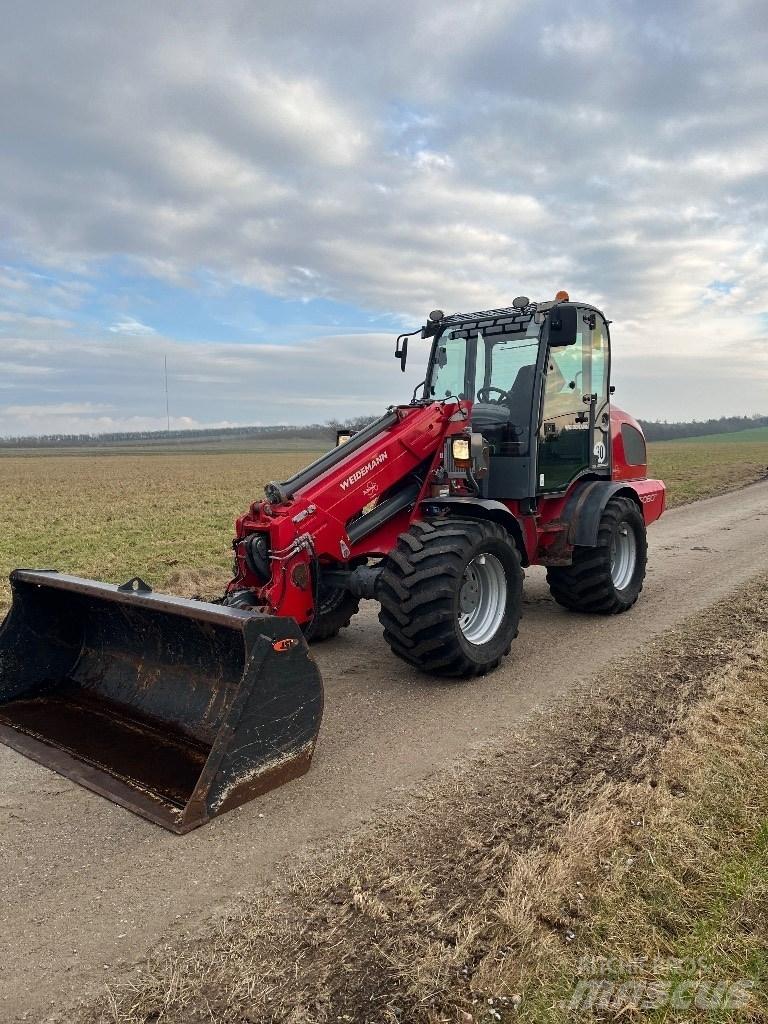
(652, 493)
(621, 468)
(323, 508)
(313, 523)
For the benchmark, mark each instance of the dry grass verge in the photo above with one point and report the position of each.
(663, 886)
(630, 822)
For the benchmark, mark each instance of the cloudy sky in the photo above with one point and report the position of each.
(265, 192)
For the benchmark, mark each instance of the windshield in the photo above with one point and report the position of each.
(497, 367)
(495, 371)
(505, 365)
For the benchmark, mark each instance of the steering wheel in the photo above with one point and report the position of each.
(484, 395)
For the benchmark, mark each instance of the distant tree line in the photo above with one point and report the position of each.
(655, 430)
(662, 430)
(318, 431)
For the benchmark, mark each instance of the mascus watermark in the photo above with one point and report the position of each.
(646, 984)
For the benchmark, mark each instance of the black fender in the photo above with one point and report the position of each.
(584, 509)
(479, 508)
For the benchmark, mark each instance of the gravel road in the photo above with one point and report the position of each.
(86, 887)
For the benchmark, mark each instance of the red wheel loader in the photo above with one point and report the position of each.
(512, 455)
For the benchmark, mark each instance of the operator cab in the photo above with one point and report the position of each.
(538, 379)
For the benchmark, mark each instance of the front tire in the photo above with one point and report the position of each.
(336, 607)
(606, 579)
(451, 596)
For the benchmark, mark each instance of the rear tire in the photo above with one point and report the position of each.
(336, 608)
(606, 579)
(451, 596)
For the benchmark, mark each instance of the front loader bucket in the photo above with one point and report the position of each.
(176, 709)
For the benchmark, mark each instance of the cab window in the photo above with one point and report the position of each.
(573, 434)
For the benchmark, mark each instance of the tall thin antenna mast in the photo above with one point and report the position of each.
(167, 408)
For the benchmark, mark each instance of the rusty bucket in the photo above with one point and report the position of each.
(178, 710)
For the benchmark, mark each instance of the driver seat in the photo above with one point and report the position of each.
(515, 410)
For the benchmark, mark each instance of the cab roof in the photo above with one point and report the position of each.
(506, 319)
(490, 321)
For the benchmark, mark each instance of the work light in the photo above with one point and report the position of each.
(460, 449)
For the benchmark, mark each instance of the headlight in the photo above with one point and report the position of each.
(460, 449)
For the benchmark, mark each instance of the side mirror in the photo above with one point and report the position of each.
(562, 325)
(401, 351)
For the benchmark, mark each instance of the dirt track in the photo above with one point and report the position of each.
(87, 886)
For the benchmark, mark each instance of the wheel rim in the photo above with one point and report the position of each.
(623, 556)
(482, 599)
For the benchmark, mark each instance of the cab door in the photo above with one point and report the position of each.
(574, 426)
(599, 391)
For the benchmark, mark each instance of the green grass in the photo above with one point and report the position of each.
(735, 437)
(695, 469)
(168, 515)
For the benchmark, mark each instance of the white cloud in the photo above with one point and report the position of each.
(395, 157)
(25, 369)
(22, 320)
(335, 376)
(208, 383)
(131, 326)
(60, 409)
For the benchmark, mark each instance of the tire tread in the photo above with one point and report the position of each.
(586, 585)
(417, 589)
